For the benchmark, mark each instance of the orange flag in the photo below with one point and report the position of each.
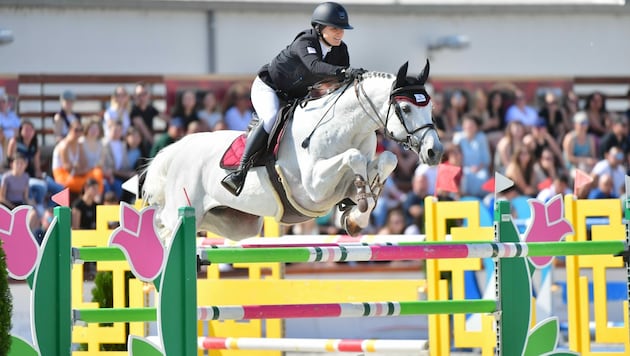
(581, 179)
(446, 178)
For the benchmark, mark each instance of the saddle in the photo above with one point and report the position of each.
(291, 212)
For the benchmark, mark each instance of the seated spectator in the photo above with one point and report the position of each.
(394, 222)
(92, 145)
(9, 122)
(69, 164)
(612, 165)
(27, 145)
(14, 189)
(457, 105)
(539, 138)
(475, 156)
(119, 110)
(557, 122)
(452, 156)
(546, 169)
(84, 207)
(413, 206)
(136, 153)
(520, 111)
(389, 198)
(430, 173)
(579, 146)
(238, 108)
(174, 132)
(617, 136)
(514, 135)
(521, 171)
(595, 109)
(492, 123)
(66, 115)
(560, 185)
(39, 230)
(605, 188)
(437, 110)
(116, 163)
(185, 108)
(210, 113)
(143, 113)
(405, 169)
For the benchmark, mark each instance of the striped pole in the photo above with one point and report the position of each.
(413, 252)
(381, 253)
(344, 310)
(314, 345)
(312, 240)
(295, 311)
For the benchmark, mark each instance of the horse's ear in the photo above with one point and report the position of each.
(401, 77)
(424, 75)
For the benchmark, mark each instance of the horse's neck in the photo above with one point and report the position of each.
(374, 93)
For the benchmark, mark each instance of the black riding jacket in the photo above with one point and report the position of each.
(300, 65)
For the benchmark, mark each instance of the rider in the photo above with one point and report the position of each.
(314, 54)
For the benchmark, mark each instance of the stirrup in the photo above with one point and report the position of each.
(232, 184)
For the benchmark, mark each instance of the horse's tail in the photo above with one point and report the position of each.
(155, 176)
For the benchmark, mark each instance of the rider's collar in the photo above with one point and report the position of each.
(415, 94)
(325, 47)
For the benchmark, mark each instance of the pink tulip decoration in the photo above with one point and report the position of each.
(137, 238)
(548, 225)
(19, 244)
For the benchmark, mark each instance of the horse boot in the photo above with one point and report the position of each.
(256, 141)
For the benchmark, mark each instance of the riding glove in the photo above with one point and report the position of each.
(350, 73)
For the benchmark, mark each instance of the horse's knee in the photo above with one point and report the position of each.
(355, 160)
(387, 162)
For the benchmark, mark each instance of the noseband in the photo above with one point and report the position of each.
(405, 93)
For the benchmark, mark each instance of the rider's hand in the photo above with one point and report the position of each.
(350, 73)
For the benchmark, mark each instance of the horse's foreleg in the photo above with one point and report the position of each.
(379, 169)
(327, 175)
(354, 219)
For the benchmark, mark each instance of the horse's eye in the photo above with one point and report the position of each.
(406, 109)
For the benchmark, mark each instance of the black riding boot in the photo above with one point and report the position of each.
(256, 141)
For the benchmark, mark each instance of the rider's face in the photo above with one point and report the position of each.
(333, 35)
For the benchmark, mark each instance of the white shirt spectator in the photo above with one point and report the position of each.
(618, 174)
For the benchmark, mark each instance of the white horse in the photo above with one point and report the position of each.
(327, 155)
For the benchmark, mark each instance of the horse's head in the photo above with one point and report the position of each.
(414, 128)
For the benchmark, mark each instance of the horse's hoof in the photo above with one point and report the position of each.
(352, 228)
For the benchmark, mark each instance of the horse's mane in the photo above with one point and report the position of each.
(368, 75)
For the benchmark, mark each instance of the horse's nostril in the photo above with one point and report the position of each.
(431, 153)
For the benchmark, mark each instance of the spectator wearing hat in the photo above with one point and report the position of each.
(66, 115)
(9, 121)
(539, 138)
(617, 136)
(175, 131)
(579, 147)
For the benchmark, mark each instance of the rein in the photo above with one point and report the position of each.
(410, 141)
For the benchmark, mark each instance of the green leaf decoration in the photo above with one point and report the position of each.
(516, 288)
(142, 347)
(543, 338)
(177, 312)
(51, 290)
(19, 347)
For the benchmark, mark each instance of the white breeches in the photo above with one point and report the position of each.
(266, 103)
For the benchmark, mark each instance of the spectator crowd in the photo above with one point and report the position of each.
(541, 143)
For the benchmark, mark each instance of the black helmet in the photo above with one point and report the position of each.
(331, 14)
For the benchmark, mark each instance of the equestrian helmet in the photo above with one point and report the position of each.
(331, 14)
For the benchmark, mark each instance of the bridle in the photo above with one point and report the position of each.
(397, 94)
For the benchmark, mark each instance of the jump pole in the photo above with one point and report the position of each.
(419, 347)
